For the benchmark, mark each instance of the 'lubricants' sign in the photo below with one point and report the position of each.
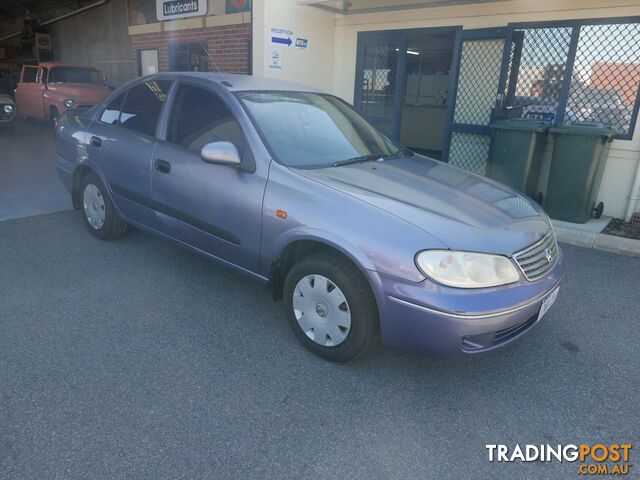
(172, 9)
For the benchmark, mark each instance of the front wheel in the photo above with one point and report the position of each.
(330, 307)
(54, 117)
(98, 211)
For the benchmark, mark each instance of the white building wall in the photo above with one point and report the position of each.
(330, 61)
(312, 65)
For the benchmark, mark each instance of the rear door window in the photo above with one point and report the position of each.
(142, 107)
(111, 113)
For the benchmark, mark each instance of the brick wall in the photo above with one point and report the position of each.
(228, 46)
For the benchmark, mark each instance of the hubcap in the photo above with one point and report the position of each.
(321, 310)
(93, 204)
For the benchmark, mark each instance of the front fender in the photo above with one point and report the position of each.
(54, 100)
(329, 239)
(374, 239)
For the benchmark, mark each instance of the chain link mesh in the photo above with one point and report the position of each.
(469, 151)
(606, 73)
(604, 80)
(478, 80)
(536, 72)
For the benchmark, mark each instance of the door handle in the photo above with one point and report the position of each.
(162, 166)
(96, 142)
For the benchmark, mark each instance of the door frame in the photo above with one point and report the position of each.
(505, 33)
(366, 39)
(370, 37)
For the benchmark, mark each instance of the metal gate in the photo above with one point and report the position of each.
(562, 72)
(379, 74)
(481, 60)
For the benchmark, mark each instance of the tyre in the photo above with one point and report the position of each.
(330, 307)
(98, 211)
(598, 209)
(54, 117)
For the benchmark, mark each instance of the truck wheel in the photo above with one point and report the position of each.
(98, 211)
(54, 116)
(330, 307)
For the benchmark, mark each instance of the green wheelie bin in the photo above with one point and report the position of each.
(579, 156)
(518, 148)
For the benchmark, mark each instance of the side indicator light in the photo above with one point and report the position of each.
(281, 214)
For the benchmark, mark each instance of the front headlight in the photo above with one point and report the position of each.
(68, 103)
(466, 269)
(8, 109)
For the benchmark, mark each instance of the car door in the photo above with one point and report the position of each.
(29, 91)
(121, 145)
(216, 208)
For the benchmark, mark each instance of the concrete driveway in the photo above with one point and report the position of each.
(28, 181)
(137, 359)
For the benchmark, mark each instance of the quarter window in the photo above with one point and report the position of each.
(111, 113)
(200, 117)
(142, 106)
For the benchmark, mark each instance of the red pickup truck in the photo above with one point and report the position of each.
(46, 91)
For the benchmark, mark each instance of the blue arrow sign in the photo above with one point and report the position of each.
(285, 41)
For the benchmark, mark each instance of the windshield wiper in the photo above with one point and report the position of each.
(403, 152)
(362, 159)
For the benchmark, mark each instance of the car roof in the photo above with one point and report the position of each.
(238, 83)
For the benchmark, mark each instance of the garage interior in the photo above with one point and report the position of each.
(28, 183)
(122, 39)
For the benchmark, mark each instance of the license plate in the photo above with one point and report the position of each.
(547, 302)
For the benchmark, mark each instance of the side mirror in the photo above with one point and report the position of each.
(221, 153)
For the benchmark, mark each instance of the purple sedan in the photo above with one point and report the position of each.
(360, 237)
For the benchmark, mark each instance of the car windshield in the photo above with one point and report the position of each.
(74, 75)
(311, 130)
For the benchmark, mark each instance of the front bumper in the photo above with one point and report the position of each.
(444, 322)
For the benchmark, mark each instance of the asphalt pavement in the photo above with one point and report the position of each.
(28, 181)
(138, 359)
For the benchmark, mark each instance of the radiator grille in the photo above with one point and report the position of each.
(535, 261)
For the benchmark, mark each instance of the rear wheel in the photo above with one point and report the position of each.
(330, 307)
(98, 210)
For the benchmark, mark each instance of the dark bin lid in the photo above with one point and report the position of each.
(522, 124)
(585, 128)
